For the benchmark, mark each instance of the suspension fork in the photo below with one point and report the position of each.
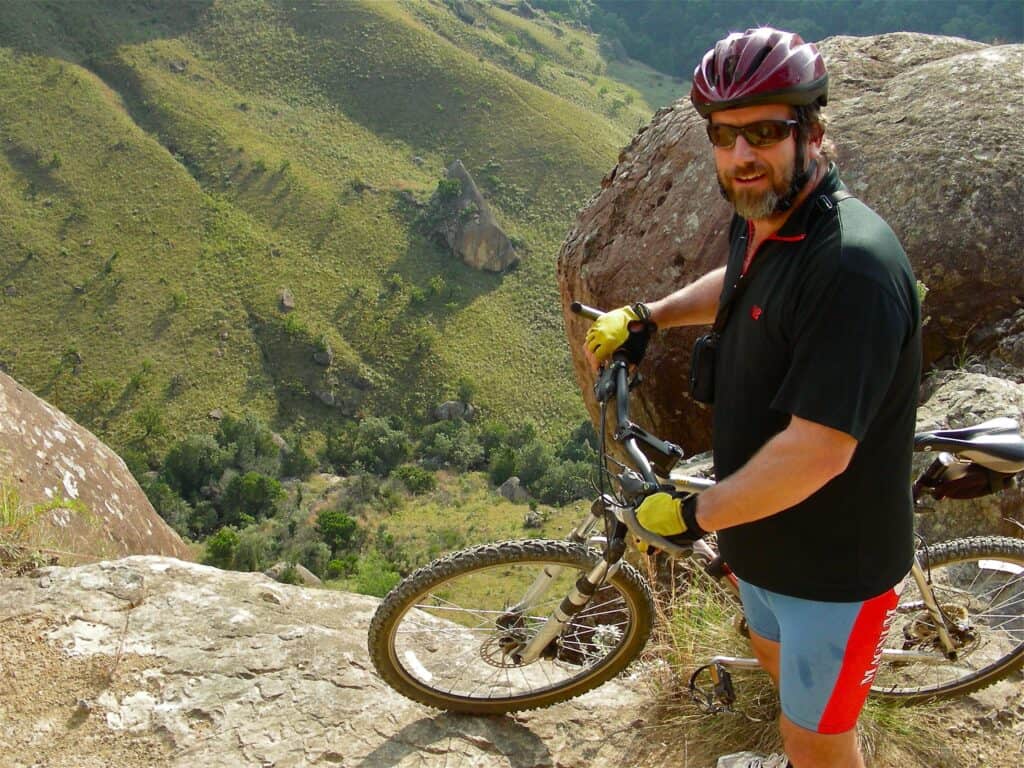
(928, 597)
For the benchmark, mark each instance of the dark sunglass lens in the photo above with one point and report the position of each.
(765, 133)
(722, 135)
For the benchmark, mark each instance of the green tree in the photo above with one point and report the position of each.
(373, 444)
(220, 548)
(298, 462)
(251, 496)
(416, 479)
(175, 511)
(253, 551)
(250, 444)
(192, 464)
(337, 529)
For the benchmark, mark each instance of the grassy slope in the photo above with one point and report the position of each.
(227, 152)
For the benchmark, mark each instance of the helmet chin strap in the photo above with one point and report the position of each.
(801, 174)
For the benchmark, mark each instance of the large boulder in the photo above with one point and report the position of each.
(472, 232)
(94, 507)
(924, 129)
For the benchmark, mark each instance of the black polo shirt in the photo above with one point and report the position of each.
(827, 329)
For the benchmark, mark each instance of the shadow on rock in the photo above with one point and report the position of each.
(461, 740)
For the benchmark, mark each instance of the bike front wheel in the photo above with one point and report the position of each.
(448, 635)
(978, 585)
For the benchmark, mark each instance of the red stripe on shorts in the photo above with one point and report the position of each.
(860, 663)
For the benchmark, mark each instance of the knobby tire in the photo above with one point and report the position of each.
(437, 638)
(979, 581)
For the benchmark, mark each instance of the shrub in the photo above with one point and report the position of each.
(346, 565)
(502, 465)
(337, 529)
(254, 550)
(372, 444)
(192, 464)
(251, 495)
(250, 444)
(375, 576)
(564, 482)
(298, 462)
(175, 511)
(416, 479)
(220, 548)
(451, 444)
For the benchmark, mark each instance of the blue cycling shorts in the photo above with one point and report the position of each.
(828, 652)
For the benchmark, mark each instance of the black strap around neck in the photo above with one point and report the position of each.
(828, 201)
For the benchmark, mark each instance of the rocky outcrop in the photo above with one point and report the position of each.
(151, 661)
(471, 230)
(455, 410)
(920, 124)
(513, 490)
(95, 506)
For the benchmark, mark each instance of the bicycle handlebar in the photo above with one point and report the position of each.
(613, 382)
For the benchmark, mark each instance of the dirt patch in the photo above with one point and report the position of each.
(48, 706)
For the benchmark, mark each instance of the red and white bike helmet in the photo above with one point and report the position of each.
(759, 66)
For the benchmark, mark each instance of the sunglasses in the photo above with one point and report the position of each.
(763, 133)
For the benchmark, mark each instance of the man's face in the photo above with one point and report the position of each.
(755, 178)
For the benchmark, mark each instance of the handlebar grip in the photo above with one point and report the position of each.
(588, 312)
(653, 539)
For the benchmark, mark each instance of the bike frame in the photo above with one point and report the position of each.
(640, 480)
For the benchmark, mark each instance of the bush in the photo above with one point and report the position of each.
(372, 444)
(452, 444)
(502, 465)
(253, 551)
(337, 529)
(220, 548)
(192, 464)
(564, 482)
(251, 495)
(416, 479)
(298, 462)
(250, 444)
(375, 576)
(346, 565)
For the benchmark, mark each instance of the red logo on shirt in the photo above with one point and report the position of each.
(756, 312)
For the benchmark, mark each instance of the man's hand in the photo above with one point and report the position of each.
(622, 328)
(671, 516)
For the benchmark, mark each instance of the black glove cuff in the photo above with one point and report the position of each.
(689, 511)
(642, 311)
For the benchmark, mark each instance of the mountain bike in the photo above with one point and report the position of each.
(518, 625)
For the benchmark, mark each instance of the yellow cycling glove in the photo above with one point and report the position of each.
(612, 331)
(671, 516)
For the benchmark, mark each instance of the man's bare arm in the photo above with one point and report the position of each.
(694, 304)
(790, 467)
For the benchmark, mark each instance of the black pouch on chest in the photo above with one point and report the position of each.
(702, 368)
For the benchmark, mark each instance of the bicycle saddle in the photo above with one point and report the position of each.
(996, 444)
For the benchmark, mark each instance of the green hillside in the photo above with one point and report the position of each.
(169, 169)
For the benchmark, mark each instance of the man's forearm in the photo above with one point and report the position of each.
(790, 467)
(695, 304)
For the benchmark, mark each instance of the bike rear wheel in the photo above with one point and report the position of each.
(978, 583)
(445, 636)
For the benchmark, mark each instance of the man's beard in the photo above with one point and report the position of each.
(755, 205)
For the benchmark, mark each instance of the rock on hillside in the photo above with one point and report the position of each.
(151, 661)
(473, 233)
(46, 457)
(920, 123)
